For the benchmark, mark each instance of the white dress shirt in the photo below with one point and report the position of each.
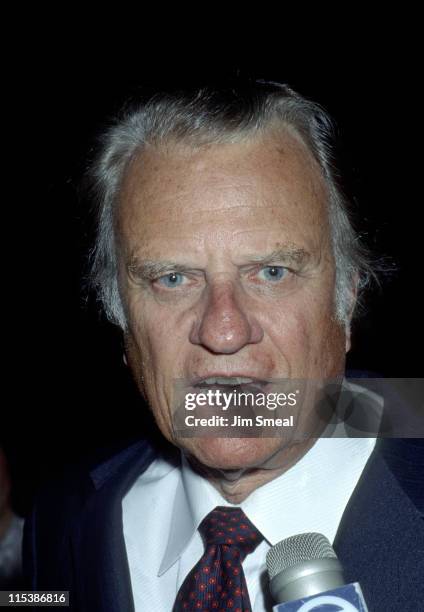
(166, 504)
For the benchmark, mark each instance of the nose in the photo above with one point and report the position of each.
(224, 326)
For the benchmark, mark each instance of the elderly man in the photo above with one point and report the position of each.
(226, 254)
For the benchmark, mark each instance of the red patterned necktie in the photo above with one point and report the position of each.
(217, 581)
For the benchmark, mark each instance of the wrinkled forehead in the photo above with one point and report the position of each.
(254, 183)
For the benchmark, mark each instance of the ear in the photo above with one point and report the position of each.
(124, 342)
(127, 345)
(133, 361)
(353, 296)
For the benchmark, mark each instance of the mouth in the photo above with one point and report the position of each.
(248, 383)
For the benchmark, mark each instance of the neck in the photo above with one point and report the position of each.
(236, 485)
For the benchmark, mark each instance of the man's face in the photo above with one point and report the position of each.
(226, 269)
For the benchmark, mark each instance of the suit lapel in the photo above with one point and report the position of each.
(103, 578)
(380, 541)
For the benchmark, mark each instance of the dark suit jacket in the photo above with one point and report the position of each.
(74, 539)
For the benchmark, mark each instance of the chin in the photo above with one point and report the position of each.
(233, 453)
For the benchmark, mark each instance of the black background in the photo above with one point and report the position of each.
(69, 395)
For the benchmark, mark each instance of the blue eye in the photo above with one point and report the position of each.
(273, 273)
(173, 279)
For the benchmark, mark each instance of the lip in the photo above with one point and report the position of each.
(254, 377)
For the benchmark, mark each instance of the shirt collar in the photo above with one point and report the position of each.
(310, 496)
(195, 497)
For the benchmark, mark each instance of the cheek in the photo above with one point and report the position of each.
(308, 341)
(158, 334)
(152, 345)
(165, 342)
(290, 335)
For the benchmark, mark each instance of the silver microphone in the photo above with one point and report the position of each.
(301, 566)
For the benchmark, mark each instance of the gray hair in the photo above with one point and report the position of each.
(214, 116)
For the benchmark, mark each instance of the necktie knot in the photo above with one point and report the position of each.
(230, 527)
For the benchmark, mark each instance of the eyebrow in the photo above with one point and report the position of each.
(149, 269)
(288, 254)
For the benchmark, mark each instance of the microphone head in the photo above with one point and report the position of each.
(302, 565)
(298, 548)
